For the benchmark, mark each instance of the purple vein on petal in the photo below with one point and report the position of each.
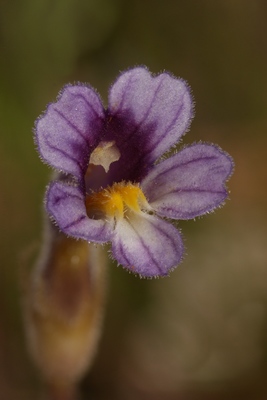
(63, 153)
(75, 222)
(127, 261)
(169, 127)
(146, 248)
(166, 234)
(149, 108)
(126, 87)
(195, 190)
(183, 164)
(101, 231)
(86, 101)
(63, 196)
(71, 125)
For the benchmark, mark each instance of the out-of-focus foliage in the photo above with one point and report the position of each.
(43, 40)
(202, 332)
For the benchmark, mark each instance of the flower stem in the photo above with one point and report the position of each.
(62, 392)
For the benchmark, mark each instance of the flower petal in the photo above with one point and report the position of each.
(190, 183)
(69, 129)
(147, 245)
(66, 205)
(152, 111)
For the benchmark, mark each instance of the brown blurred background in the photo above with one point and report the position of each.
(202, 333)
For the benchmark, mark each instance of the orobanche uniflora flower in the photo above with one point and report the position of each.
(115, 186)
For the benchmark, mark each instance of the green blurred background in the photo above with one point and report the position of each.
(202, 333)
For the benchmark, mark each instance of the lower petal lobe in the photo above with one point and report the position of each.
(66, 205)
(147, 245)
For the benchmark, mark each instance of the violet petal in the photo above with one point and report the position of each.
(190, 183)
(147, 245)
(154, 111)
(69, 129)
(65, 204)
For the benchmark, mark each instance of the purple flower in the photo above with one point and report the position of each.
(116, 185)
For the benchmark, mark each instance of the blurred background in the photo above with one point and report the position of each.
(202, 333)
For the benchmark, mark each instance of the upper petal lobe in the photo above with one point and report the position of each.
(190, 183)
(153, 112)
(69, 129)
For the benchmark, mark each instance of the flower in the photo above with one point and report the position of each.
(114, 185)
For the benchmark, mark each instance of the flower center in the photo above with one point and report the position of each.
(115, 201)
(98, 173)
